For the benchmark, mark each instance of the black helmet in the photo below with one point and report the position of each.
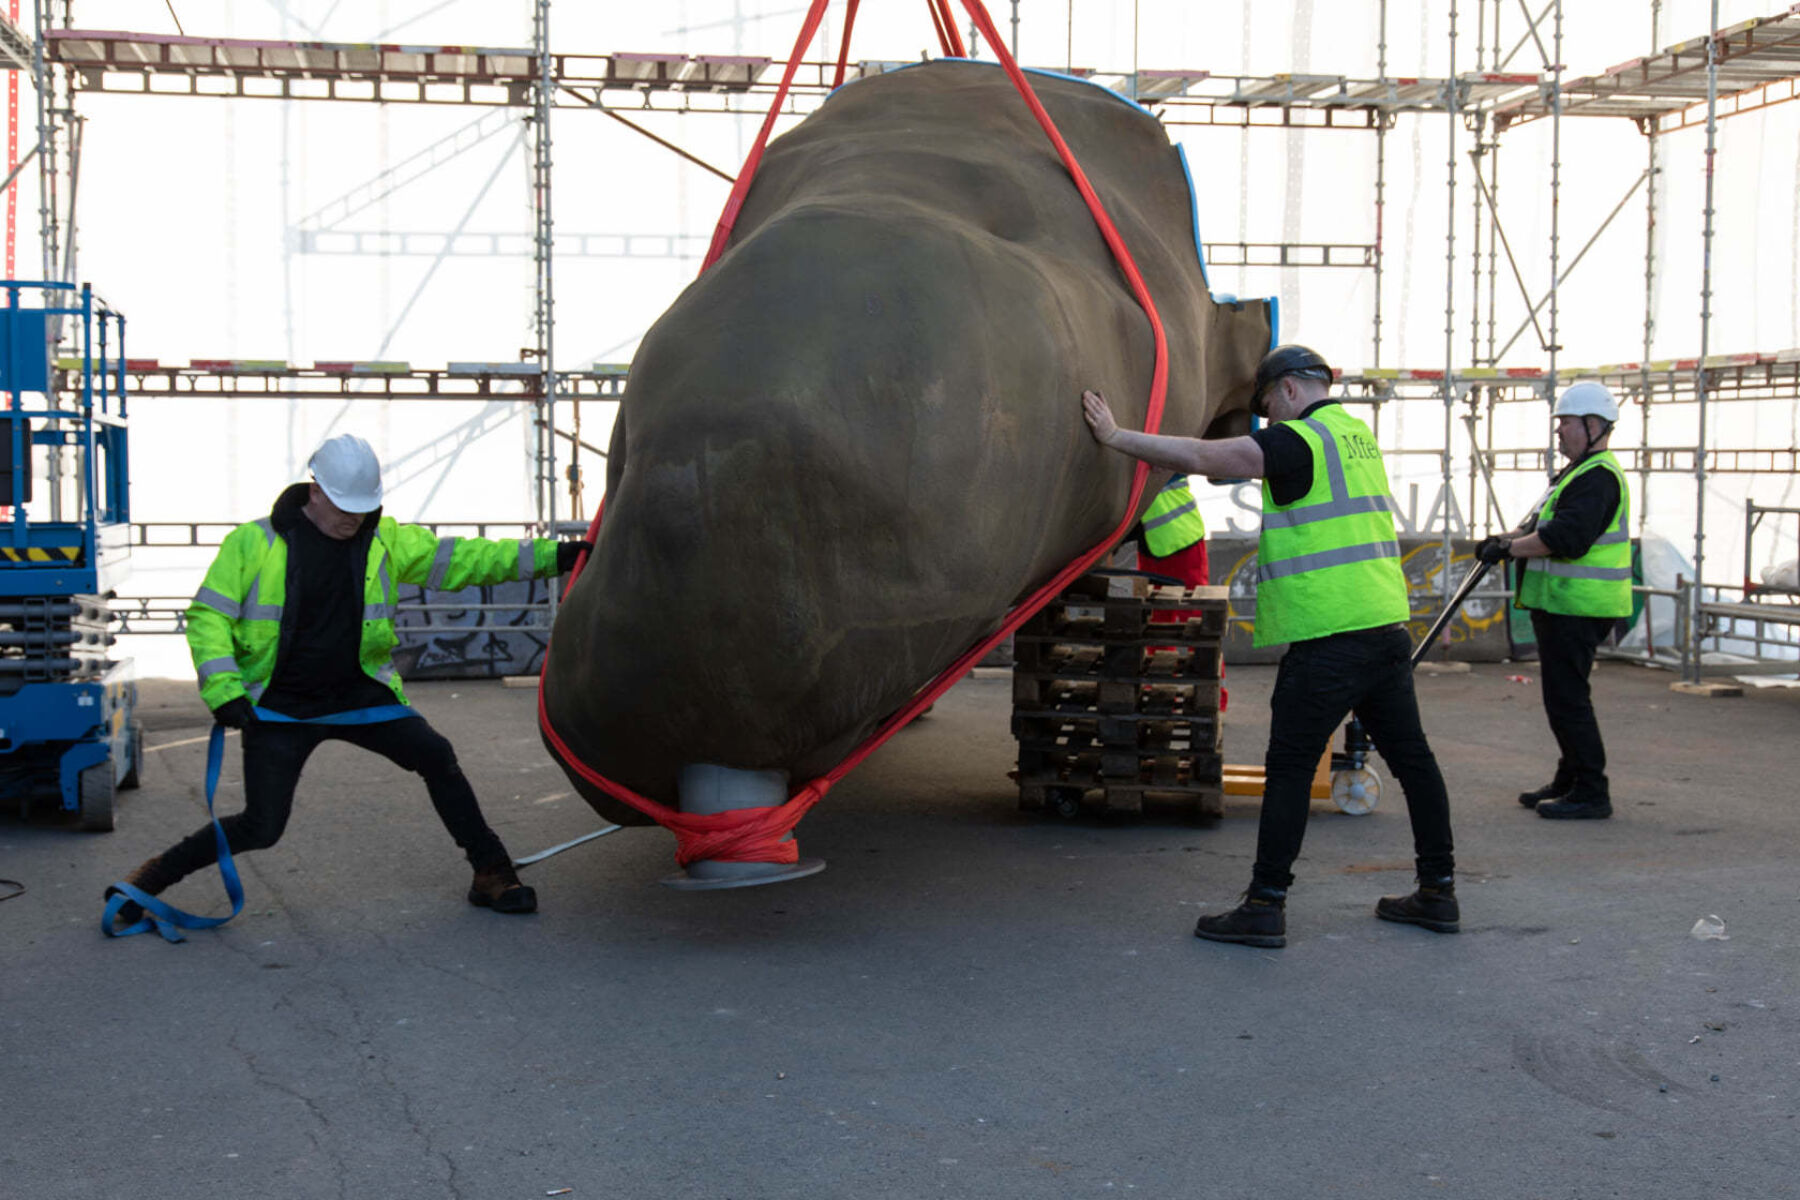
(1286, 360)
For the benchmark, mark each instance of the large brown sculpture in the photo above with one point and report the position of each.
(852, 444)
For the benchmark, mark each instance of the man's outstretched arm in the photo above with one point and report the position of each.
(1222, 458)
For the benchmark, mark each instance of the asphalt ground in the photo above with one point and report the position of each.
(970, 1001)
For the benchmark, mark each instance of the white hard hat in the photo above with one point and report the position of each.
(346, 469)
(1587, 399)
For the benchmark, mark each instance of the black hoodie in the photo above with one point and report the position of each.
(318, 668)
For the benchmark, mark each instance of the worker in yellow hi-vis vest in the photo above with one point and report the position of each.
(1173, 535)
(1172, 543)
(1329, 584)
(1574, 575)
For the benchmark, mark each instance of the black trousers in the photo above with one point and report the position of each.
(1319, 683)
(274, 755)
(1566, 647)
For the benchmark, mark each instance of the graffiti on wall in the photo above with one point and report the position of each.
(1478, 633)
(473, 642)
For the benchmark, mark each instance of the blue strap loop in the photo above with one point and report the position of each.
(164, 917)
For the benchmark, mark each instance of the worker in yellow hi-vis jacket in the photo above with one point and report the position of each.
(292, 634)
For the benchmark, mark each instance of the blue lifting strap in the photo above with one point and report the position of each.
(164, 917)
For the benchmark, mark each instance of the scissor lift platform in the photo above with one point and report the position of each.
(68, 734)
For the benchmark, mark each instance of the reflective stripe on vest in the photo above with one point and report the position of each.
(218, 600)
(384, 609)
(254, 610)
(1330, 562)
(527, 558)
(440, 563)
(1320, 559)
(1598, 584)
(1172, 522)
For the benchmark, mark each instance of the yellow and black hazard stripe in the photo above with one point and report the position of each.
(40, 554)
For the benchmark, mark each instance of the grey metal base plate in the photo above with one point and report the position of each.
(716, 876)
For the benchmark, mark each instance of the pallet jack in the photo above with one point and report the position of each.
(68, 733)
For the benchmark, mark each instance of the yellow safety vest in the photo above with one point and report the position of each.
(1173, 521)
(1598, 584)
(1330, 562)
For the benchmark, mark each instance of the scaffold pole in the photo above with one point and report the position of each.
(1695, 632)
(544, 248)
(1647, 393)
(1451, 111)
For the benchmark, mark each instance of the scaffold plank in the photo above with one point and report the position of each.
(1771, 375)
(1289, 254)
(1758, 64)
(169, 64)
(162, 64)
(16, 49)
(247, 379)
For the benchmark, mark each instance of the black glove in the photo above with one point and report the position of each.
(237, 713)
(568, 552)
(1496, 549)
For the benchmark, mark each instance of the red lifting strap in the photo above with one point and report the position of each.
(755, 834)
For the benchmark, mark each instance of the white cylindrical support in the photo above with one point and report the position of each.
(710, 788)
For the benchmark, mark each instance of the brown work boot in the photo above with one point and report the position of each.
(148, 876)
(1432, 907)
(1261, 920)
(497, 886)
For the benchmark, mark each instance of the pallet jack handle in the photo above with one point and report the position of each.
(1474, 577)
(1469, 583)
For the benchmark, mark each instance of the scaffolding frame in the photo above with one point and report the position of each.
(1745, 68)
(1693, 84)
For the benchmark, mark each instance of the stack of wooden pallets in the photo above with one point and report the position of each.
(1116, 713)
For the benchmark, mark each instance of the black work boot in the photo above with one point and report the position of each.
(150, 876)
(497, 886)
(1433, 906)
(1556, 789)
(1581, 804)
(1261, 920)
(1550, 791)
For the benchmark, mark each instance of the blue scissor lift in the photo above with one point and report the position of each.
(67, 728)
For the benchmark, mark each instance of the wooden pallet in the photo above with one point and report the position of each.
(1116, 711)
(1111, 617)
(1066, 800)
(1109, 766)
(1122, 658)
(1115, 696)
(1198, 733)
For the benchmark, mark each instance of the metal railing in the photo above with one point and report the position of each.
(1771, 631)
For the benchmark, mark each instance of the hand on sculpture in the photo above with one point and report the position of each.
(1099, 417)
(1495, 549)
(568, 552)
(235, 713)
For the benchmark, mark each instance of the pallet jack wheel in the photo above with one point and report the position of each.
(1356, 791)
(97, 798)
